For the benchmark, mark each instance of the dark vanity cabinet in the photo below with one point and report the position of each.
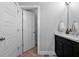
(75, 49)
(58, 46)
(65, 47)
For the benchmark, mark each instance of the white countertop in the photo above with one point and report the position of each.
(68, 36)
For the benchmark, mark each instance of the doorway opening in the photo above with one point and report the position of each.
(30, 28)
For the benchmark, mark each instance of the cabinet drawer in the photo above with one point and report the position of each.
(67, 42)
(60, 39)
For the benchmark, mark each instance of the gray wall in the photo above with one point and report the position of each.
(50, 14)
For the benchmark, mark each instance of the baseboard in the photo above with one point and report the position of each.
(47, 53)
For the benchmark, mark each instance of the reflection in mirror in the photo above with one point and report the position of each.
(74, 16)
(61, 26)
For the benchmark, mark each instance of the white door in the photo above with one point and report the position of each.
(28, 25)
(8, 29)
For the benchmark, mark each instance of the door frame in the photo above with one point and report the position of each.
(38, 25)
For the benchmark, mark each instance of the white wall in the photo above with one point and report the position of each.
(50, 14)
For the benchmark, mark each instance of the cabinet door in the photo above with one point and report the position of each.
(67, 44)
(58, 46)
(75, 49)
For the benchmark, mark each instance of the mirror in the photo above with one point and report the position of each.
(73, 13)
